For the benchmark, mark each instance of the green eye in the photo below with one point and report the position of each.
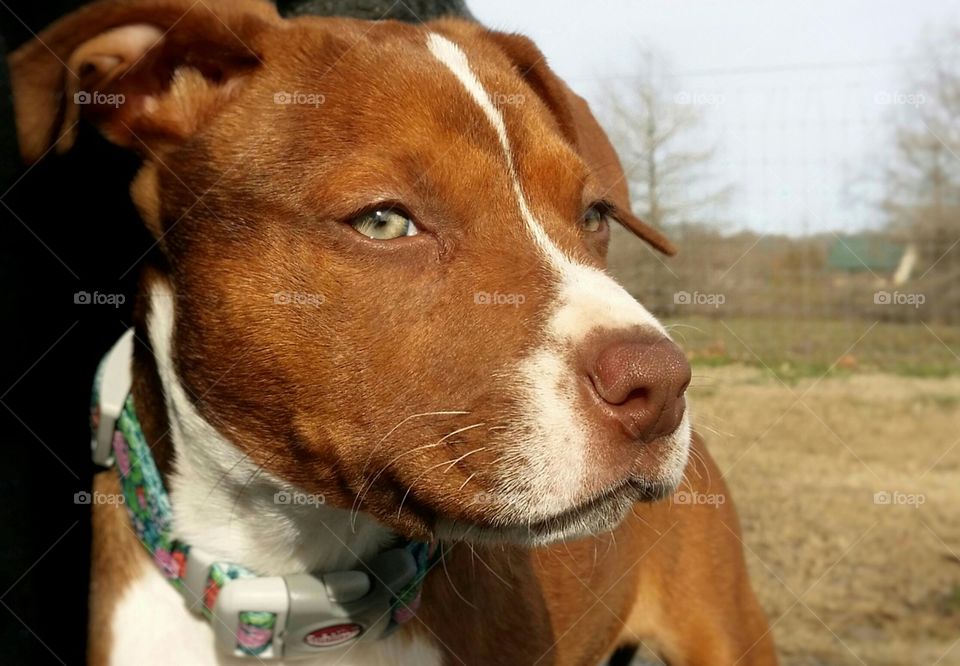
(595, 219)
(384, 224)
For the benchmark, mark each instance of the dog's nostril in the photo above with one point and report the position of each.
(637, 397)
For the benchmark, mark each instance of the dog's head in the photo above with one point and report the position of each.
(386, 244)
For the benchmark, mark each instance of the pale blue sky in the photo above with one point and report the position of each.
(797, 93)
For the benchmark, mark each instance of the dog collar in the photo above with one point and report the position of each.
(260, 616)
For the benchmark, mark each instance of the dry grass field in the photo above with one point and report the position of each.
(797, 347)
(845, 578)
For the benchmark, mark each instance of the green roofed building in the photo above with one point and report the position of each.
(863, 253)
(873, 254)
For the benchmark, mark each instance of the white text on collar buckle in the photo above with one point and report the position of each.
(314, 612)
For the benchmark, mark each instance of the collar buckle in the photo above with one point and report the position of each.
(306, 613)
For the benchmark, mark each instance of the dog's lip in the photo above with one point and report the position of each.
(596, 514)
(603, 510)
(631, 490)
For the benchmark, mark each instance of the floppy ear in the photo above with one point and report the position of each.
(578, 124)
(144, 71)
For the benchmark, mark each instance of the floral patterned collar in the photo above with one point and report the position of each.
(261, 633)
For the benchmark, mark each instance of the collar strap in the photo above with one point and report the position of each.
(261, 616)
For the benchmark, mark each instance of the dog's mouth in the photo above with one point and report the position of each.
(594, 516)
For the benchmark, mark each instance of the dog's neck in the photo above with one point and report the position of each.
(225, 504)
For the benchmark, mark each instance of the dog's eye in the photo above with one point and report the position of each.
(384, 224)
(596, 218)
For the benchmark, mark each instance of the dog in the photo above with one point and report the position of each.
(385, 404)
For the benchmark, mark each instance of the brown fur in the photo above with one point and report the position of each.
(671, 577)
(117, 560)
(277, 183)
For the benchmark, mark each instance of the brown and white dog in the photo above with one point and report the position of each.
(471, 375)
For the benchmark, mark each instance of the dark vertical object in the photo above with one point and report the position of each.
(66, 226)
(410, 11)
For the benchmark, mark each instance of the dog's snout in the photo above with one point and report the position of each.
(641, 382)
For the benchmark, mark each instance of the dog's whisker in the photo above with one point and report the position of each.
(451, 463)
(673, 327)
(396, 427)
(243, 489)
(698, 380)
(713, 431)
(613, 541)
(703, 463)
(644, 521)
(460, 430)
(443, 561)
(464, 484)
(469, 453)
(473, 560)
(365, 487)
(355, 510)
(223, 476)
(226, 473)
(494, 573)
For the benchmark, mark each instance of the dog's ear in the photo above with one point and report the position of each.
(144, 71)
(581, 128)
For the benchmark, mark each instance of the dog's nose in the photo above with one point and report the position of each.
(641, 382)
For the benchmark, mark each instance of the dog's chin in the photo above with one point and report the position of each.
(596, 516)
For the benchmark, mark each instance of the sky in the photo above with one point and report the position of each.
(796, 97)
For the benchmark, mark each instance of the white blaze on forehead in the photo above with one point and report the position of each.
(456, 61)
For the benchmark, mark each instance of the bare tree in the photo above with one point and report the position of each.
(921, 178)
(653, 124)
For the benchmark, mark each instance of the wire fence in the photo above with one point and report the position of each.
(799, 265)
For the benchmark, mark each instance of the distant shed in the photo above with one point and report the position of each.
(865, 253)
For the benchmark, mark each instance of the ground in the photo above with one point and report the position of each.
(845, 576)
